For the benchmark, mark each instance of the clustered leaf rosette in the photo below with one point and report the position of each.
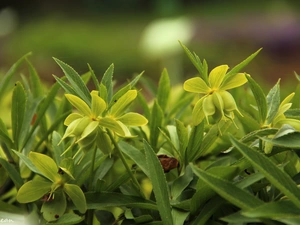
(90, 124)
(52, 187)
(216, 100)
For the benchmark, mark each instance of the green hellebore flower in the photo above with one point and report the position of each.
(52, 188)
(216, 97)
(280, 119)
(90, 124)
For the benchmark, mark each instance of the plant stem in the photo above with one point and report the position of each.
(133, 178)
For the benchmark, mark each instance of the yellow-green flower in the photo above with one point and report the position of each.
(280, 119)
(89, 124)
(216, 99)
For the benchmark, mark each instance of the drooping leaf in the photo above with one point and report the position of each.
(275, 175)
(159, 183)
(77, 196)
(33, 190)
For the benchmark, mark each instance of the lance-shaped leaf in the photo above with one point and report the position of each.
(159, 183)
(275, 175)
(19, 102)
(228, 190)
(163, 90)
(273, 102)
(76, 81)
(260, 99)
(107, 81)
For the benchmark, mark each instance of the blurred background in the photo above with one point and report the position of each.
(139, 35)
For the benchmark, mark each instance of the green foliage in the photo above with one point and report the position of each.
(87, 157)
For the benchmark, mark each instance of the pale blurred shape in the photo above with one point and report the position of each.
(8, 21)
(160, 38)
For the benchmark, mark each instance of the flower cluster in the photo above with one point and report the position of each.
(216, 100)
(90, 124)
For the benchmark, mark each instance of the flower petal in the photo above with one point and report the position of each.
(89, 129)
(79, 104)
(196, 85)
(72, 117)
(55, 208)
(198, 114)
(133, 119)
(112, 125)
(234, 81)
(287, 99)
(122, 103)
(216, 76)
(98, 104)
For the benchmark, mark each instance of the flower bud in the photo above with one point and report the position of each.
(229, 102)
(208, 106)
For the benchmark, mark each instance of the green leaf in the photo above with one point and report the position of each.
(76, 81)
(274, 174)
(54, 209)
(195, 140)
(136, 155)
(107, 81)
(163, 90)
(198, 113)
(196, 62)
(239, 218)
(68, 88)
(228, 190)
(155, 123)
(12, 172)
(274, 210)
(291, 140)
(94, 78)
(204, 192)
(19, 102)
(179, 216)
(96, 200)
(4, 136)
(33, 190)
(273, 102)
(241, 65)
(68, 219)
(77, 196)
(182, 133)
(260, 99)
(45, 165)
(258, 133)
(36, 85)
(27, 162)
(159, 183)
(181, 183)
(144, 105)
(4, 84)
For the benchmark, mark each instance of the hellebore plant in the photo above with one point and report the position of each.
(87, 157)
